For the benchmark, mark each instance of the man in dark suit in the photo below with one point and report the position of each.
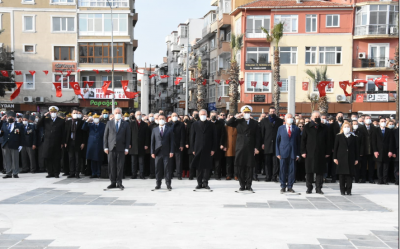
(162, 149)
(28, 145)
(367, 160)
(382, 145)
(53, 128)
(153, 118)
(140, 142)
(75, 141)
(360, 148)
(247, 146)
(334, 130)
(221, 143)
(179, 134)
(192, 171)
(204, 144)
(117, 139)
(11, 132)
(39, 148)
(269, 128)
(288, 152)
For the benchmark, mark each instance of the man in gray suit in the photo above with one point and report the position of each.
(116, 144)
(162, 148)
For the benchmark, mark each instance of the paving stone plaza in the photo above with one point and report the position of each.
(77, 213)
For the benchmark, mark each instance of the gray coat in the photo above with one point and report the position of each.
(121, 140)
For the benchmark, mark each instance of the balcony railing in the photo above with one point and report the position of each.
(255, 33)
(206, 30)
(367, 94)
(372, 62)
(103, 3)
(379, 29)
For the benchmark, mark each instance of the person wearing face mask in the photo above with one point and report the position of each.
(288, 152)
(116, 143)
(376, 123)
(11, 132)
(126, 117)
(269, 128)
(153, 118)
(204, 144)
(54, 140)
(360, 121)
(28, 146)
(179, 132)
(247, 146)
(94, 153)
(39, 148)
(383, 148)
(334, 130)
(192, 171)
(367, 161)
(345, 156)
(140, 142)
(391, 124)
(360, 145)
(231, 135)
(221, 140)
(104, 116)
(315, 147)
(306, 120)
(354, 117)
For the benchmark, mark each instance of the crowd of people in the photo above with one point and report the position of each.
(285, 149)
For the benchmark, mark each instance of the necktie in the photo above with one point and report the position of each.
(290, 133)
(9, 127)
(162, 132)
(383, 132)
(117, 126)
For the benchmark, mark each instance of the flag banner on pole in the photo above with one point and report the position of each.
(57, 86)
(360, 98)
(77, 89)
(178, 80)
(17, 91)
(88, 83)
(305, 86)
(331, 84)
(254, 83)
(265, 83)
(105, 86)
(164, 76)
(343, 85)
(130, 95)
(152, 76)
(4, 73)
(18, 72)
(321, 88)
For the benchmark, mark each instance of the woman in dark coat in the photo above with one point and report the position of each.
(345, 155)
(94, 151)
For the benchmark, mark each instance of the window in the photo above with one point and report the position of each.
(64, 80)
(101, 52)
(288, 55)
(100, 24)
(212, 44)
(259, 78)
(64, 53)
(378, 54)
(117, 80)
(29, 81)
(184, 31)
(63, 1)
(211, 94)
(254, 25)
(371, 84)
(376, 19)
(289, 22)
(238, 60)
(238, 26)
(327, 89)
(29, 23)
(30, 48)
(103, 3)
(284, 88)
(332, 20)
(28, 1)
(330, 55)
(223, 90)
(63, 24)
(311, 55)
(90, 78)
(213, 65)
(311, 23)
(257, 55)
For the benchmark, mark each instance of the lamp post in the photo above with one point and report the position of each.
(156, 67)
(112, 57)
(187, 74)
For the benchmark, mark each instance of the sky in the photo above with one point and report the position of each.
(157, 19)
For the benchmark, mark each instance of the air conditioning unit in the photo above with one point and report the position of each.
(361, 55)
(341, 98)
(39, 99)
(314, 95)
(28, 99)
(393, 30)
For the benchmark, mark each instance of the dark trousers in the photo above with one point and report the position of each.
(40, 158)
(245, 176)
(163, 170)
(358, 169)
(230, 162)
(74, 158)
(64, 161)
(271, 166)
(152, 167)
(53, 166)
(178, 162)
(28, 159)
(287, 173)
(318, 181)
(368, 165)
(346, 183)
(96, 167)
(192, 170)
(383, 172)
(134, 163)
(333, 170)
(396, 171)
(116, 160)
(300, 170)
(203, 176)
(217, 168)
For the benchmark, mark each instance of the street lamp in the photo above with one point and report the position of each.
(156, 66)
(112, 57)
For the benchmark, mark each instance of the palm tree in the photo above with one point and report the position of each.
(276, 34)
(320, 74)
(236, 45)
(201, 93)
(396, 78)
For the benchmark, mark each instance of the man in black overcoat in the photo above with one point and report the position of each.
(221, 143)
(360, 146)
(269, 129)
(140, 142)
(54, 140)
(247, 146)
(204, 144)
(334, 130)
(153, 118)
(179, 133)
(315, 147)
(383, 148)
(367, 161)
(192, 171)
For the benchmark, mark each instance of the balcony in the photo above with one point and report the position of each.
(373, 64)
(376, 31)
(135, 44)
(255, 33)
(225, 21)
(375, 96)
(206, 30)
(162, 82)
(135, 19)
(175, 48)
(224, 48)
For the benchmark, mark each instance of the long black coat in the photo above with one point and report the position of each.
(188, 136)
(367, 137)
(248, 139)
(360, 141)
(53, 136)
(203, 141)
(383, 144)
(221, 138)
(268, 133)
(140, 137)
(315, 142)
(346, 152)
(179, 133)
(81, 136)
(396, 144)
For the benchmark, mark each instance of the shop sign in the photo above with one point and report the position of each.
(378, 97)
(100, 102)
(97, 93)
(64, 66)
(259, 98)
(257, 66)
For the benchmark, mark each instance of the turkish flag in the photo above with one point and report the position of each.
(241, 82)
(4, 73)
(343, 85)
(204, 82)
(130, 95)
(139, 72)
(218, 81)
(57, 86)
(331, 84)
(178, 80)
(77, 89)
(89, 83)
(219, 99)
(254, 83)
(59, 71)
(193, 79)
(16, 92)
(129, 70)
(79, 70)
(227, 82)
(152, 76)
(45, 72)
(95, 70)
(321, 88)
(279, 83)
(164, 76)
(360, 98)
(18, 72)
(32, 72)
(105, 86)
(69, 73)
(305, 86)
(108, 71)
(265, 83)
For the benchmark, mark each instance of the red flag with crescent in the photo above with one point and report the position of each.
(69, 73)
(343, 85)
(164, 76)
(89, 83)
(331, 84)
(265, 83)
(178, 80)
(305, 86)
(358, 81)
(321, 88)
(17, 91)
(218, 81)
(105, 86)
(227, 82)
(360, 98)
(77, 89)
(57, 86)
(254, 83)
(241, 82)
(4, 73)
(204, 82)
(129, 95)
(32, 72)
(18, 72)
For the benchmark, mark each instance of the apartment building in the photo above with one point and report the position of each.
(52, 37)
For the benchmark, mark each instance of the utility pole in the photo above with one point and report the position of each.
(187, 74)
(112, 58)
(149, 90)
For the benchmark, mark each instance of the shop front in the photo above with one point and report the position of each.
(97, 105)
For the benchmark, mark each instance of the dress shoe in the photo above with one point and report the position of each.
(152, 177)
(291, 190)
(91, 177)
(169, 187)
(372, 182)
(7, 176)
(228, 178)
(190, 178)
(112, 186)
(342, 193)
(396, 183)
(3, 171)
(65, 174)
(283, 190)
(179, 178)
(275, 180)
(255, 179)
(24, 172)
(71, 176)
(41, 171)
(33, 172)
(267, 180)
(206, 187)
(77, 176)
(320, 192)
(142, 177)
(309, 191)
(15, 176)
(241, 189)
(57, 176)
(386, 183)
(49, 176)
(157, 187)
(236, 178)
(218, 179)
(348, 193)
(333, 181)
(198, 187)
(120, 186)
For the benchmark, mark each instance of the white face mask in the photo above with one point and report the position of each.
(323, 121)
(117, 116)
(156, 121)
(36, 120)
(354, 119)
(25, 122)
(79, 115)
(355, 127)
(161, 122)
(151, 119)
(368, 121)
(126, 118)
(139, 117)
(246, 116)
(203, 117)
(346, 130)
(174, 119)
(69, 118)
(383, 124)
(53, 115)
(96, 120)
(289, 121)
(74, 116)
(390, 126)
(361, 123)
